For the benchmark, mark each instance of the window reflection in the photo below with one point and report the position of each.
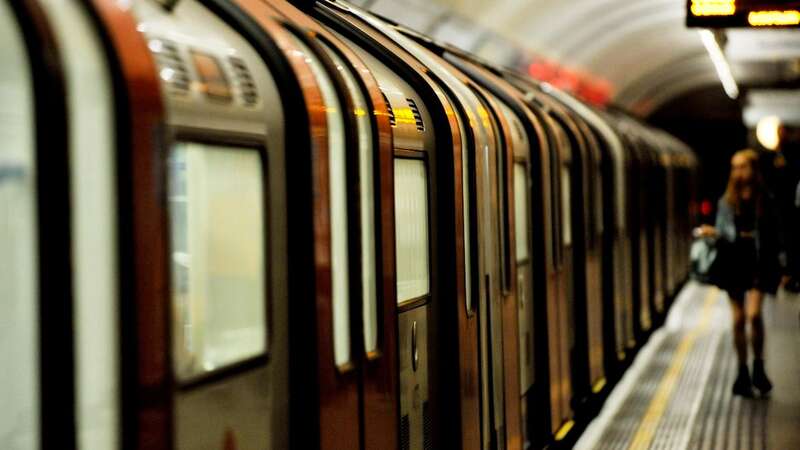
(216, 206)
(521, 211)
(411, 228)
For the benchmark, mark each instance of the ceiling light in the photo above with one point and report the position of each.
(768, 132)
(720, 63)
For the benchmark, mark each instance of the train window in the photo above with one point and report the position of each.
(94, 226)
(598, 198)
(217, 225)
(337, 170)
(566, 205)
(411, 228)
(521, 211)
(366, 204)
(19, 417)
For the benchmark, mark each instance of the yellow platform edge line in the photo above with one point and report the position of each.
(658, 404)
(564, 430)
(599, 385)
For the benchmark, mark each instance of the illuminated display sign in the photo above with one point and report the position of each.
(742, 13)
(212, 82)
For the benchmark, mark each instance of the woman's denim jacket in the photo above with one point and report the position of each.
(768, 231)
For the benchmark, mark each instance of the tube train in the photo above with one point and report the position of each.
(248, 224)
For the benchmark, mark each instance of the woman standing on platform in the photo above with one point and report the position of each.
(749, 242)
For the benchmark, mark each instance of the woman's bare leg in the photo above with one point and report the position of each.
(760, 379)
(739, 332)
(756, 322)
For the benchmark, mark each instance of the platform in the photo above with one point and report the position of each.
(677, 394)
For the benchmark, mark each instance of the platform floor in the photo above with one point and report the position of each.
(677, 393)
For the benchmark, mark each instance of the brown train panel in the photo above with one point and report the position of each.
(379, 371)
(149, 409)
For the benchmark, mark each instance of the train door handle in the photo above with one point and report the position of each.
(414, 349)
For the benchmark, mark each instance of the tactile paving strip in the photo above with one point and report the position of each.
(725, 421)
(622, 428)
(700, 412)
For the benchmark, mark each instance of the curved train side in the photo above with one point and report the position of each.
(246, 224)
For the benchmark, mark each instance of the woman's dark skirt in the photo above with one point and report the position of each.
(746, 272)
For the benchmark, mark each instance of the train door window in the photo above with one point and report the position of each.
(566, 207)
(598, 197)
(411, 229)
(94, 226)
(19, 416)
(521, 211)
(337, 170)
(366, 186)
(217, 221)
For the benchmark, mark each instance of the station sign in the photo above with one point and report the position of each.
(743, 13)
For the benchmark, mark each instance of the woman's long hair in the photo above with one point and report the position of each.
(733, 192)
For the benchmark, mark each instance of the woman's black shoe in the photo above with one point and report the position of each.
(760, 380)
(743, 386)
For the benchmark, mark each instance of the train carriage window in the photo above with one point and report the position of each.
(566, 206)
(19, 416)
(217, 223)
(521, 211)
(339, 220)
(366, 186)
(411, 224)
(598, 198)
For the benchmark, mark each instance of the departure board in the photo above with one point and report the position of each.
(743, 13)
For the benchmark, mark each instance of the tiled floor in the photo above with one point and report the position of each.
(677, 393)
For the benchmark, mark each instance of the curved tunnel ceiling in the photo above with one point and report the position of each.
(641, 47)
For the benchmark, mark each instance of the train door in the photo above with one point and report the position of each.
(648, 316)
(670, 274)
(480, 166)
(617, 265)
(555, 294)
(416, 257)
(639, 311)
(511, 139)
(595, 313)
(430, 373)
(523, 255)
(377, 252)
(575, 171)
(659, 236)
(644, 320)
(520, 167)
(487, 191)
(529, 169)
(591, 332)
(22, 249)
(557, 334)
(94, 224)
(544, 380)
(371, 178)
(214, 342)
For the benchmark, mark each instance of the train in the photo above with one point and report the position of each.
(263, 224)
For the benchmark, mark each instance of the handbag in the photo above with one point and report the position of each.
(707, 261)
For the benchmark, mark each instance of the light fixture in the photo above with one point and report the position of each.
(720, 63)
(768, 132)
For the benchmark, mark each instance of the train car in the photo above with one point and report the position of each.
(258, 224)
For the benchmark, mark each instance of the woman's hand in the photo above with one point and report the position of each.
(704, 231)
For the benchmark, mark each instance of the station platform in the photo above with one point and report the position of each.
(677, 393)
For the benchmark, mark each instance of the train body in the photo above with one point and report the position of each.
(248, 224)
